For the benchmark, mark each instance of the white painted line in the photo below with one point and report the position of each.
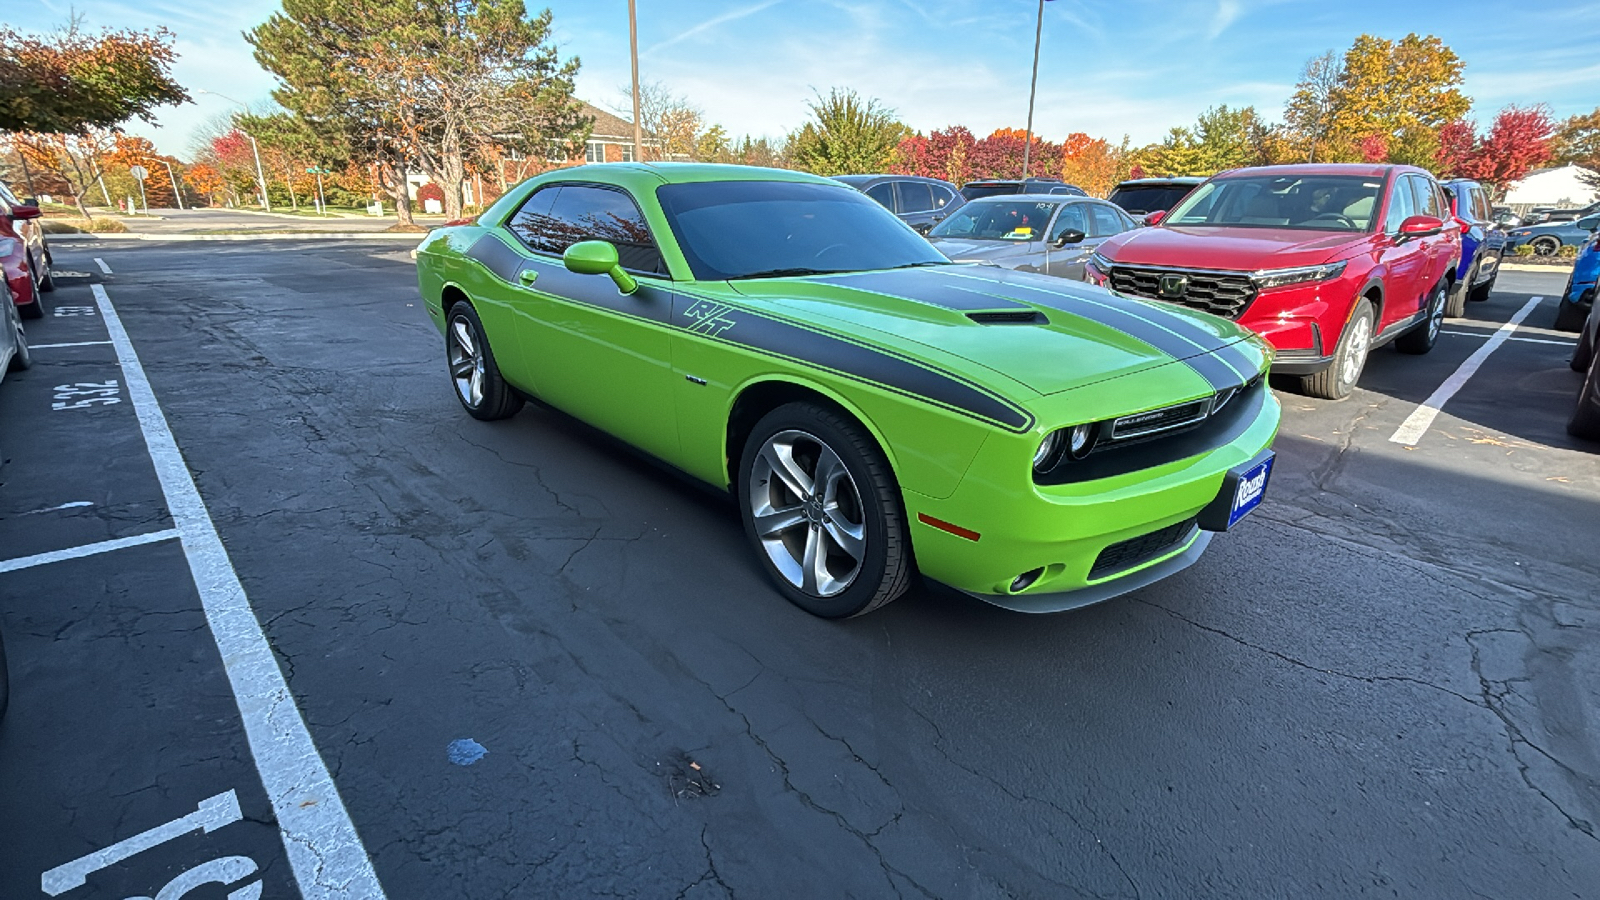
(39, 559)
(1416, 424)
(324, 850)
(102, 264)
(213, 813)
(73, 344)
(1520, 340)
(75, 504)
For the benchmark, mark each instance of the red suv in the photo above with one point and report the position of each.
(1324, 261)
(25, 258)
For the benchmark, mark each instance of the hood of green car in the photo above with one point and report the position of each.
(1079, 334)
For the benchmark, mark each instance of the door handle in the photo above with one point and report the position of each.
(527, 276)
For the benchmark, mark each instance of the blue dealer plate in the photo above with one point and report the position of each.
(1252, 487)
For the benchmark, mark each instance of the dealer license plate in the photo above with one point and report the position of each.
(1252, 487)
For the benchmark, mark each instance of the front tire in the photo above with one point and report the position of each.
(23, 357)
(1349, 358)
(1584, 353)
(1420, 339)
(1546, 246)
(1456, 306)
(1569, 316)
(822, 510)
(1585, 421)
(1481, 292)
(482, 392)
(48, 282)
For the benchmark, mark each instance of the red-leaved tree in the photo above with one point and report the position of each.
(1374, 148)
(1518, 141)
(1000, 155)
(1458, 142)
(946, 154)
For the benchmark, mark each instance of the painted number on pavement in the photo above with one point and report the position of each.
(85, 394)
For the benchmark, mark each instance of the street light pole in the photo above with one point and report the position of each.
(261, 177)
(176, 191)
(633, 43)
(1033, 86)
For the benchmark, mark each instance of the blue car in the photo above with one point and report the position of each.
(1578, 298)
(1482, 244)
(1549, 238)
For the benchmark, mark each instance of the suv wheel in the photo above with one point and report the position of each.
(1456, 305)
(1569, 316)
(1546, 246)
(1349, 358)
(1421, 337)
(1585, 421)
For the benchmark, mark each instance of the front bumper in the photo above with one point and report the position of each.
(1067, 532)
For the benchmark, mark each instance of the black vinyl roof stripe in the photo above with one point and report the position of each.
(1220, 374)
(923, 285)
(790, 341)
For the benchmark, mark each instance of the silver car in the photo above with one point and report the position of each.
(1044, 233)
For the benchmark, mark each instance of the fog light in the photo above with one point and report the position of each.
(1026, 579)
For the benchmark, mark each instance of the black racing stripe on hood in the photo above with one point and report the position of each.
(790, 341)
(925, 286)
(496, 256)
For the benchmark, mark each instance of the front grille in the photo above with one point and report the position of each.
(1220, 293)
(1133, 551)
(1160, 419)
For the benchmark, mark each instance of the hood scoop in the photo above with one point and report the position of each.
(1009, 317)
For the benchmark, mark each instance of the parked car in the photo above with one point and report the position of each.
(1325, 261)
(1030, 232)
(919, 202)
(972, 190)
(14, 355)
(1482, 245)
(1585, 421)
(873, 409)
(1549, 238)
(27, 265)
(1142, 196)
(1572, 309)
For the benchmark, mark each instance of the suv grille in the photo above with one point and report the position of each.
(1133, 551)
(1224, 294)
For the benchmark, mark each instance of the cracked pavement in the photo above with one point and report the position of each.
(1384, 682)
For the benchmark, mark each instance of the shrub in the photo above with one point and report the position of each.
(1524, 250)
(429, 191)
(1567, 252)
(98, 225)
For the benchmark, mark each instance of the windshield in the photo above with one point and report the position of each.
(997, 220)
(975, 191)
(1144, 198)
(754, 229)
(1316, 202)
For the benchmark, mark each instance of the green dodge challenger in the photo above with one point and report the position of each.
(876, 410)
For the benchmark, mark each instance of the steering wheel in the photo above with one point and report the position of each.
(1349, 223)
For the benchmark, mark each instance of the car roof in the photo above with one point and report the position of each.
(857, 180)
(641, 173)
(1359, 169)
(1176, 179)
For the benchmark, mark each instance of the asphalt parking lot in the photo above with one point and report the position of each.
(535, 665)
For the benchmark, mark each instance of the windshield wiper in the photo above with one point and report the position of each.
(784, 273)
(915, 265)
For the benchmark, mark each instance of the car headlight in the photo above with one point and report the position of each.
(1271, 278)
(1074, 443)
(1049, 452)
(1080, 440)
(1099, 262)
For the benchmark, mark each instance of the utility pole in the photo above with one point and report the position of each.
(177, 192)
(633, 43)
(1033, 86)
(261, 176)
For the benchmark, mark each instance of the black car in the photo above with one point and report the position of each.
(1585, 421)
(1140, 196)
(990, 187)
(1482, 244)
(919, 202)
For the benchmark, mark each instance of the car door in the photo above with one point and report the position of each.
(589, 349)
(1443, 250)
(915, 202)
(1067, 260)
(1404, 260)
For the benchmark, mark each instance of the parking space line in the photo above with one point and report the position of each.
(1416, 424)
(39, 559)
(325, 853)
(102, 264)
(73, 344)
(1520, 340)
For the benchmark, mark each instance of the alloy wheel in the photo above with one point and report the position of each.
(807, 513)
(466, 362)
(1360, 341)
(1436, 311)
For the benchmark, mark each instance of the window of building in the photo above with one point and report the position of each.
(594, 152)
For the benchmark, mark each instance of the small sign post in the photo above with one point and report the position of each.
(319, 171)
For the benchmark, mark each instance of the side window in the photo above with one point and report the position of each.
(580, 212)
(1426, 202)
(1072, 216)
(1481, 208)
(941, 196)
(1400, 205)
(1589, 223)
(915, 197)
(1106, 220)
(883, 192)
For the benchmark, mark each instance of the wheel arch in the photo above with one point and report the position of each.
(757, 397)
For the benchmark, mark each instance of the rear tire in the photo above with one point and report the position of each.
(1456, 306)
(1546, 246)
(478, 385)
(48, 282)
(1569, 316)
(23, 357)
(1584, 354)
(1349, 358)
(1481, 292)
(1420, 339)
(822, 511)
(1585, 421)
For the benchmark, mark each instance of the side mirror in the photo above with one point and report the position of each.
(25, 211)
(1154, 218)
(1420, 226)
(1070, 236)
(598, 258)
(922, 228)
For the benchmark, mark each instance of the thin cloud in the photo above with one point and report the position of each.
(711, 23)
(1227, 12)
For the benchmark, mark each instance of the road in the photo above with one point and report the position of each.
(213, 221)
(536, 665)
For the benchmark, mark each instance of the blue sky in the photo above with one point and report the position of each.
(1109, 69)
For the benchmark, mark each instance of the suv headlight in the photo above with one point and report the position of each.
(1271, 278)
(1100, 262)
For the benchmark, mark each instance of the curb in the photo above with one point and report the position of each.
(267, 236)
(1528, 267)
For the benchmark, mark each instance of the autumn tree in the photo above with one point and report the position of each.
(1308, 117)
(70, 164)
(946, 154)
(73, 80)
(847, 134)
(1402, 91)
(1092, 163)
(433, 84)
(1520, 139)
(1577, 141)
(1000, 155)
